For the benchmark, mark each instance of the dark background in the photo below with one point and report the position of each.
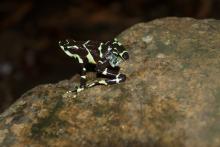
(30, 31)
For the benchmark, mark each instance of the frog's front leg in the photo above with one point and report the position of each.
(114, 77)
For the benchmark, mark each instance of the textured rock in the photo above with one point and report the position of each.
(171, 96)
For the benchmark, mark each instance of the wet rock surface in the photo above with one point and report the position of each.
(171, 96)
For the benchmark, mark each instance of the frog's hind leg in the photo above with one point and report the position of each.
(82, 78)
(82, 81)
(113, 78)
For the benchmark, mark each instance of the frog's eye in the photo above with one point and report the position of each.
(124, 55)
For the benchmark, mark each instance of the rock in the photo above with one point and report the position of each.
(171, 96)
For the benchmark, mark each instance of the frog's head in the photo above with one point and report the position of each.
(116, 53)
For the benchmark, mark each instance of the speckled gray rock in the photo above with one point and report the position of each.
(171, 96)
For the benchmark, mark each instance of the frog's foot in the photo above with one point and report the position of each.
(70, 94)
(79, 89)
(74, 92)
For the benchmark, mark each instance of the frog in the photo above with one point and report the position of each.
(106, 56)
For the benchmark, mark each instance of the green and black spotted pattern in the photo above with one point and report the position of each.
(102, 54)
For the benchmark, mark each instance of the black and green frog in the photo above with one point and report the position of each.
(106, 56)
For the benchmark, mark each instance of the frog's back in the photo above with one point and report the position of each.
(85, 51)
